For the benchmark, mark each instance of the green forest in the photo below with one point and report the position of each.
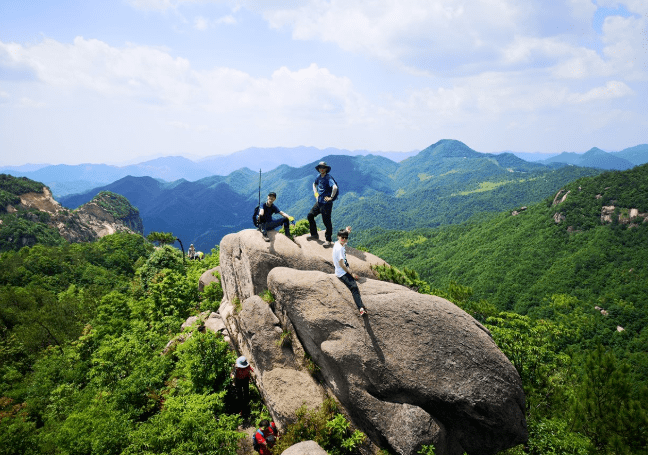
(566, 301)
(84, 327)
(82, 330)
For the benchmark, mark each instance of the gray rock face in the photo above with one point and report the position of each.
(417, 370)
(248, 260)
(208, 277)
(305, 448)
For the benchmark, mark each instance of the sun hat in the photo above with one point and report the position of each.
(242, 362)
(324, 165)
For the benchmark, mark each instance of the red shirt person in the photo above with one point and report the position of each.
(266, 436)
(241, 376)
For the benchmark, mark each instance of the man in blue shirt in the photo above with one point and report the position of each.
(324, 189)
(267, 223)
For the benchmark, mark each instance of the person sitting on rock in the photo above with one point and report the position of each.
(267, 223)
(342, 269)
(241, 377)
(266, 436)
(192, 251)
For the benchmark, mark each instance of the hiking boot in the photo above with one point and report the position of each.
(312, 237)
(328, 244)
(265, 237)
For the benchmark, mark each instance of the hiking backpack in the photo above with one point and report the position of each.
(255, 216)
(255, 443)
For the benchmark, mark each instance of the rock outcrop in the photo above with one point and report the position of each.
(417, 370)
(208, 277)
(305, 448)
(107, 213)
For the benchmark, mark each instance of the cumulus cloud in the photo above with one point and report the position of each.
(141, 71)
(611, 90)
(396, 29)
(144, 74)
(202, 23)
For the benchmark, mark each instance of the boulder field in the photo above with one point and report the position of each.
(416, 370)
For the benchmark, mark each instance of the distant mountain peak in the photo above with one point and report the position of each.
(450, 148)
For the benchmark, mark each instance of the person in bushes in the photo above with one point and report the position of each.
(342, 269)
(241, 377)
(266, 437)
(266, 223)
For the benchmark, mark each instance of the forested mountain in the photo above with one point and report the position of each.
(637, 155)
(565, 281)
(524, 257)
(600, 159)
(29, 215)
(446, 183)
(561, 285)
(66, 179)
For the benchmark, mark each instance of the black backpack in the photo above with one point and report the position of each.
(255, 217)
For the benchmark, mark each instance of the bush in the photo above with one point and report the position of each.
(325, 426)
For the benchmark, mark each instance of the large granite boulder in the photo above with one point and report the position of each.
(248, 260)
(416, 370)
(281, 377)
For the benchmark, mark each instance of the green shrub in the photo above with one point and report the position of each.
(324, 425)
(285, 339)
(267, 296)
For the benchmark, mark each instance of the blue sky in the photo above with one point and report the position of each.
(123, 80)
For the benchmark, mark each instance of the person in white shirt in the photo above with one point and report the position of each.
(342, 269)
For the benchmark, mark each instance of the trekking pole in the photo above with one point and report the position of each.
(259, 188)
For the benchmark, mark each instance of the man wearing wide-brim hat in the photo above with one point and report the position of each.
(325, 190)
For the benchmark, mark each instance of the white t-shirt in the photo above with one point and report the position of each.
(339, 252)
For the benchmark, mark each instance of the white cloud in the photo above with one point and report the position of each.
(136, 71)
(202, 23)
(396, 29)
(611, 90)
(188, 126)
(156, 5)
(30, 103)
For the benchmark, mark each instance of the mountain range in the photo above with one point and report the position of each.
(65, 179)
(446, 183)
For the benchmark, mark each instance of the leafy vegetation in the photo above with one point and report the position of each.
(326, 426)
(565, 301)
(82, 327)
(115, 204)
(19, 185)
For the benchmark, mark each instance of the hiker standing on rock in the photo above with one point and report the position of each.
(342, 269)
(241, 376)
(325, 190)
(266, 223)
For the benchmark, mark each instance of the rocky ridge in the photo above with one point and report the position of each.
(107, 213)
(417, 370)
